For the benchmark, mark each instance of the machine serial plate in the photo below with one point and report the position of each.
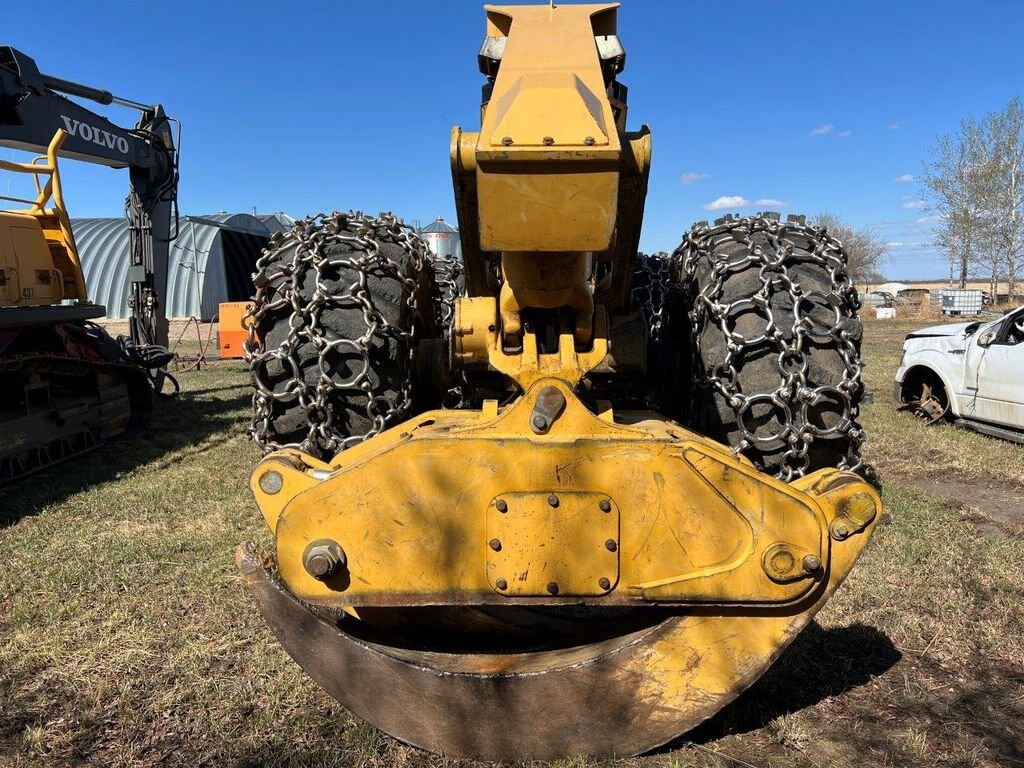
(552, 544)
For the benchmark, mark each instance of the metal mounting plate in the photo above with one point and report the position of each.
(548, 543)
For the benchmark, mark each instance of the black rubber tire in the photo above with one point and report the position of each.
(832, 352)
(350, 412)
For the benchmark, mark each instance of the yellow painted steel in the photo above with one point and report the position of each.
(553, 499)
(469, 507)
(478, 341)
(547, 155)
(39, 262)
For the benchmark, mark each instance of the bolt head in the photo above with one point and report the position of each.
(841, 531)
(539, 423)
(501, 584)
(590, 141)
(548, 141)
(611, 545)
(506, 141)
(323, 558)
(553, 500)
(319, 565)
(811, 564)
(501, 505)
(553, 588)
(495, 544)
(604, 583)
(271, 482)
(606, 506)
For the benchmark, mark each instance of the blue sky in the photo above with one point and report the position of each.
(308, 107)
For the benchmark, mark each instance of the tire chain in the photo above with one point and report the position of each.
(278, 285)
(793, 397)
(447, 288)
(650, 296)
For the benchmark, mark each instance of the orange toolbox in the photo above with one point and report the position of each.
(234, 329)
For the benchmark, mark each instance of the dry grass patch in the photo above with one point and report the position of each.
(126, 637)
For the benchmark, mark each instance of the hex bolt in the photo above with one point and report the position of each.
(501, 584)
(495, 544)
(811, 564)
(553, 500)
(507, 141)
(539, 423)
(323, 558)
(840, 531)
(548, 141)
(553, 587)
(590, 141)
(611, 545)
(271, 481)
(606, 506)
(604, 583)
(501, 506)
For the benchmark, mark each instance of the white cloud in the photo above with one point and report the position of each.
(894, 245)
(821, 130)
(727, 201)
(771, 201)
(915, 204)
(906, 178)
(928, 219)
(895, 126)
(691, 176)
(845, 134)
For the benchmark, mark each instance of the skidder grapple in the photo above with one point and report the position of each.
(559, 498)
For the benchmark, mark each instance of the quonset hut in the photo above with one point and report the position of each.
(211, 261)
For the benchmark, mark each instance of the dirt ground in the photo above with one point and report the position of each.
(127, 638)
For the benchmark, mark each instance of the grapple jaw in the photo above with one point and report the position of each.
(701, 569)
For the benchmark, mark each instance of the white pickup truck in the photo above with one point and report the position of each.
(972, 373)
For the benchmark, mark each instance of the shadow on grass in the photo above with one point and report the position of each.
(820, 663)
(974, 711)
(188, 419)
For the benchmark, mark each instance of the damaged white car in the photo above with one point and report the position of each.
(972, 373)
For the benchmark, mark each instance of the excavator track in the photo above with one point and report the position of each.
(57, 406)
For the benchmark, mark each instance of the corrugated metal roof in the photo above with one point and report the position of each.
(439, 225)
(277, 222)
(209, 262)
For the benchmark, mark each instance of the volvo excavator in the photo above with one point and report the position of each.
(576, 499)
(65, 384)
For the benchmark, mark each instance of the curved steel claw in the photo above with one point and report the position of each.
(619, 696)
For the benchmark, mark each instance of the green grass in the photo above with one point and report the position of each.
(126, 637)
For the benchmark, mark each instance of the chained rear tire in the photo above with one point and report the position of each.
(774, 340)
(339, 301)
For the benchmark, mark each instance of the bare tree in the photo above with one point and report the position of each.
(954, 184)
(975, 180)
(1005, 189)
(864, 249)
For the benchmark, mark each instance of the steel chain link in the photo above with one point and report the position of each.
(770, 249)
(651, 278)
(447, 287)
(281, 271)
